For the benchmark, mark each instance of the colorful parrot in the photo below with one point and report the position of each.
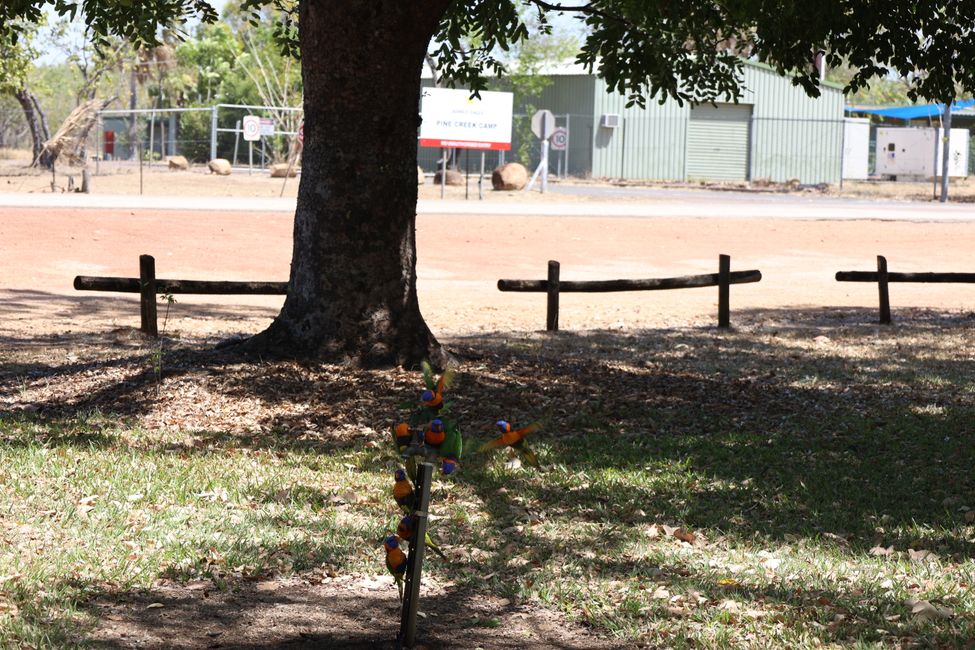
(432, 397)
(395, 562)
(403, 491)
(515, 438)
(451, 450)
(405, 532)
(402, 436)
(435, 434)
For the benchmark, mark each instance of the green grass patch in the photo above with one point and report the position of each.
(750, 489)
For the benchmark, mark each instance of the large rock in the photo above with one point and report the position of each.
(509, 176)
(454, 177)
(280, 170)
(219, 166)
(420, 176)
(178, 163)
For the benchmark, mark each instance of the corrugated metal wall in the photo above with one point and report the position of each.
(794, 136)
(648, 143)
(719, 142)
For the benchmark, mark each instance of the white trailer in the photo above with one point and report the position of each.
(914, 151)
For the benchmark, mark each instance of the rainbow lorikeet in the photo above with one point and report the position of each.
(435, 434)
(515, 438)
(432, 397)
(451, 450)
(395, 562)
(402, 436)
(403, 491)
(405, 532)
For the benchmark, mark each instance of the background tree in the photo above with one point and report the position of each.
(17, 54)
(352, 291)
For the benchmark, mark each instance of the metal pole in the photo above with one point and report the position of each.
(443, 171)
(250, 157)
(141, 156)
(946, 152)
(152, 132)
(480, 180)
(545, 152)
(414, 563)
(467, 171)
(568, 142)
(213, 132)
(236, 140)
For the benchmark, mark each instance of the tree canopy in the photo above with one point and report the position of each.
(688, 51)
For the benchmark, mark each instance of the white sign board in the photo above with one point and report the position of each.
(251, 126)
(267, 126)
(543, 124)
(454, 119)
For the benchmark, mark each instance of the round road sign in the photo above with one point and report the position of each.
(560, 139)
(251, 126)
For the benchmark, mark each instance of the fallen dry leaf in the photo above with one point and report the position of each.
(923, 610)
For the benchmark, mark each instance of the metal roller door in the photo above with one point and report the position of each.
(717, 142)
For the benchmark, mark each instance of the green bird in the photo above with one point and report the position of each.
(451, 450)
(405, 531)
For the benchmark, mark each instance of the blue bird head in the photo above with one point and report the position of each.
(503, 426)
(436, 425)
(400, 474)
(426, 396)
(392, 542)
(448, 466)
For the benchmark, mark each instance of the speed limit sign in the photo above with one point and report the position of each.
(251, 125)
(560, 139)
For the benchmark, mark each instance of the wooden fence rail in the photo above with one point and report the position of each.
(883, 278)
(553, 286)
(149, 286)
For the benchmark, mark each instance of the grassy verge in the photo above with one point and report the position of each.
(784, 487)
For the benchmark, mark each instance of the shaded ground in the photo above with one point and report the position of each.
(315, 611)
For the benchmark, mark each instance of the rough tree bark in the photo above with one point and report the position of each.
(37, 123)
(352, 291)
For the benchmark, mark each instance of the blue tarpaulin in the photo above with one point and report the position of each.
(912, 112)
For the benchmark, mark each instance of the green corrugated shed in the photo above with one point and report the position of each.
(789, 135)
(774, 132)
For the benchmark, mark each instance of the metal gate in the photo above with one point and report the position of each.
(718, 142)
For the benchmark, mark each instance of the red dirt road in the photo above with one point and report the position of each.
(460, 260)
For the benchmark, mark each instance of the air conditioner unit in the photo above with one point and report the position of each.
(610, 120)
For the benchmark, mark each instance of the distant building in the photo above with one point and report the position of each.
(775, 132)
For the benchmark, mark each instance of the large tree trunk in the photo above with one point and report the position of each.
(37, 123)
(352, 292)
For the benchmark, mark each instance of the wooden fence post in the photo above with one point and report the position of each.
(724, 290)
(552, 310)
(147, 294)
(883, 286)
(414, 563)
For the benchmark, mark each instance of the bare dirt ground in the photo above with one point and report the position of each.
(460, 260)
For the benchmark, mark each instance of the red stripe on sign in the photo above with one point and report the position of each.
(465, 144)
